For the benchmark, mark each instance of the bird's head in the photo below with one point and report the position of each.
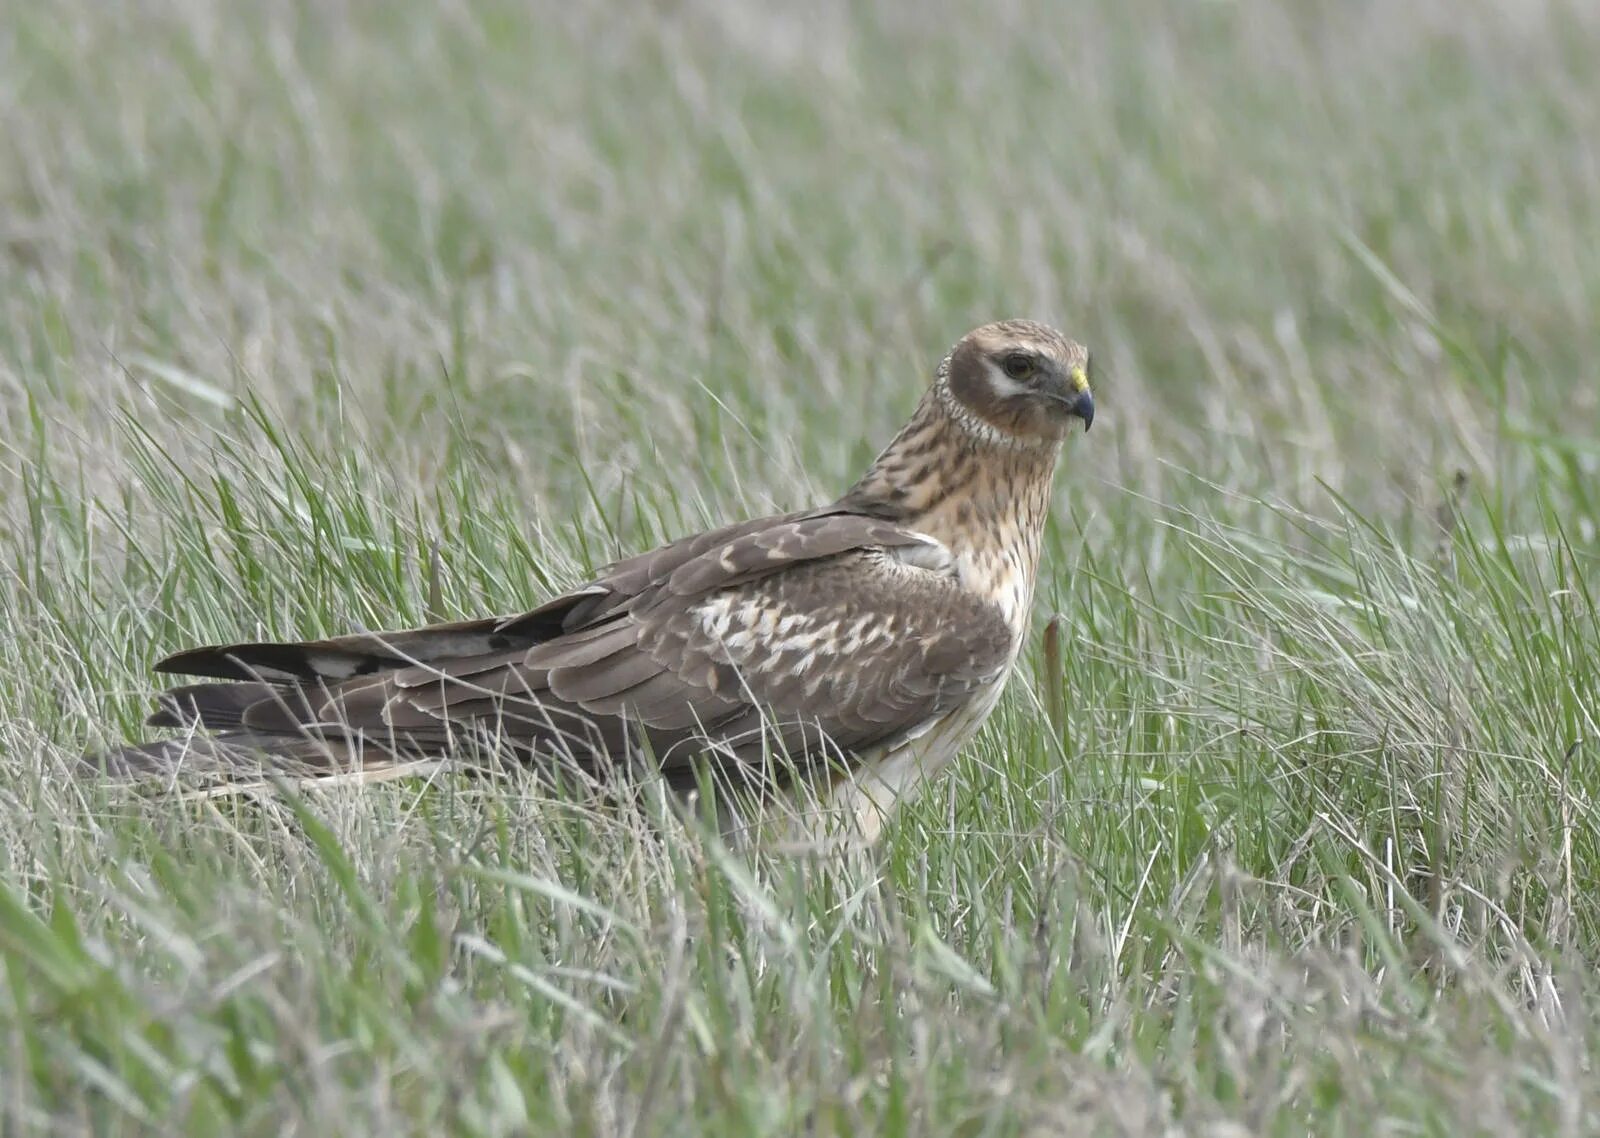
(1022, 379)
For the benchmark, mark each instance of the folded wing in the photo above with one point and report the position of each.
(823, 633)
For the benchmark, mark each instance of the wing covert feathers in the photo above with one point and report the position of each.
(819, 632)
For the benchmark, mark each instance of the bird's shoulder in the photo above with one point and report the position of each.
(824, 615)
(672, 577)
(731, 556)
(868, 608)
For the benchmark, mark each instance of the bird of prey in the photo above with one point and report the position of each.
(852, 648)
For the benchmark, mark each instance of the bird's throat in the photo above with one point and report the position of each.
(983, 495)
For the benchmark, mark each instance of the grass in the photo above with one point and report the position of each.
(292, 294)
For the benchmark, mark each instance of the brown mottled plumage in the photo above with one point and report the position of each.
(862, 642)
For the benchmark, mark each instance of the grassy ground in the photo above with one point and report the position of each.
(290, 292)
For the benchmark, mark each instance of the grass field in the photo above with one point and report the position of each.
(292, 293)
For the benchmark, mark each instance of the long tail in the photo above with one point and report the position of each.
(232, 762)
(221, 747)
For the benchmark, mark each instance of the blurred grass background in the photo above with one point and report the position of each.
(290, 292)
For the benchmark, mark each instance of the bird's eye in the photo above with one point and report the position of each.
(1017, 365)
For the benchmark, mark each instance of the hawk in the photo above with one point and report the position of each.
(852, 648)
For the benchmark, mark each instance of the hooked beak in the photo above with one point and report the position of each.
(1081, 401)
(1082, 405)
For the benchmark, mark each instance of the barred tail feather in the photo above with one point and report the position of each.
(238, 761)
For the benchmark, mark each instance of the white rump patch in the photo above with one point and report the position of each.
(272, 675)
(328, 665)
